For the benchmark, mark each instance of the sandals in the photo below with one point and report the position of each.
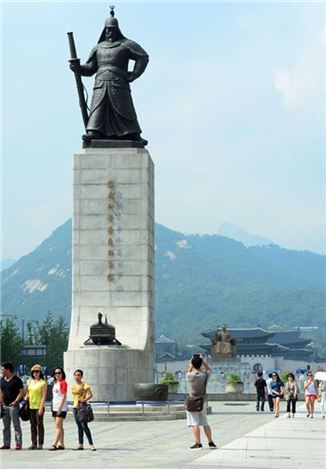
(53, 448)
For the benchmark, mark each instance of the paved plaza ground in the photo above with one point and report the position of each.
(246, 439)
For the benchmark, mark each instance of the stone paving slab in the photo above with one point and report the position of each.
(282, 442)
(245, 438)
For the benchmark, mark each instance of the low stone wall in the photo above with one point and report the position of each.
(235, 396)
(226, 397)
(231, 396)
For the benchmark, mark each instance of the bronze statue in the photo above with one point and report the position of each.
(112, 115)
(223, 345)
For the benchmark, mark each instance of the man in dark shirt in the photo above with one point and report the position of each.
(11, 393)
(261, 388)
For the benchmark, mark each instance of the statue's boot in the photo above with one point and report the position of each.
(136, 138)
(143, 141)
(91, 135)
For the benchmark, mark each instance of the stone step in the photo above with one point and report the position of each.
(147, 408)
(147, 412)
(140, 417)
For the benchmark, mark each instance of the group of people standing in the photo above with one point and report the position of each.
(13, 392)
(274, 390)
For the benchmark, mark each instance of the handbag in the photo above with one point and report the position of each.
(24, 413)
(196, 403)
(84, 409)
(85, 412)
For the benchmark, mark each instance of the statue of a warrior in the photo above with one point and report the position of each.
(112, 115)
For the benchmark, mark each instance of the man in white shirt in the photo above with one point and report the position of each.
(269, 392)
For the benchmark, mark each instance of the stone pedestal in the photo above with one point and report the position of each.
(113, 268)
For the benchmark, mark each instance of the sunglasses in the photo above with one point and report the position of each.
(58, 373)
(36, 371)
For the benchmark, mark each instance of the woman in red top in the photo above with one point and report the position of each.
(59, 407)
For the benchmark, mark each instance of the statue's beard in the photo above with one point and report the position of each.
(111, 37)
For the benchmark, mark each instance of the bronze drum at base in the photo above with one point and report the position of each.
(151, 392)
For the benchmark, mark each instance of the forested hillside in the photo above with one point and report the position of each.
(201, 281)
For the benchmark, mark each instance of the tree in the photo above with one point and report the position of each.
(11, 342)
(32, 334)
(171, 380)
(53, 333)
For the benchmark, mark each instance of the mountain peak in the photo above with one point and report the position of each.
(240, 234)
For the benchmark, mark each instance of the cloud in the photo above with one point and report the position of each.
(287, 86)
(321, 36)
(301, 85)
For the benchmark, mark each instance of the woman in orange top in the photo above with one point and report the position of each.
(82, 393)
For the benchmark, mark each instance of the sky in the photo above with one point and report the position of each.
(232, 103)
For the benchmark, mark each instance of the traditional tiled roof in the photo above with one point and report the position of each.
(242, 333)
(289, 338)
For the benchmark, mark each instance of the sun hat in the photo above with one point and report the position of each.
(36, 367)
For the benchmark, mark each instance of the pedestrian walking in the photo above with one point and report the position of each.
(261, 389)
(269, 392)
(291, 394)
(197, 380)
(82, 393)
(59, 407)
(277, 390)
(36, 395)
(322, 398)
(311, 392)
(11, 393)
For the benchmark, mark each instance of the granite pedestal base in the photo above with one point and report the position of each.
(110, 371)
(113, 268)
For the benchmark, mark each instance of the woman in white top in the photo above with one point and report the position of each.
(59, 407)
(310, 392)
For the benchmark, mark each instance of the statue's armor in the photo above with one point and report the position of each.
(112, 111)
